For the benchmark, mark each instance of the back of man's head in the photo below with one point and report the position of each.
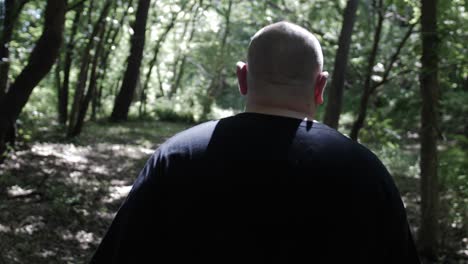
(284, 54)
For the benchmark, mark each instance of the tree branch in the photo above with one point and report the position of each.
(75, 5)
(394, 57)
(18, 10)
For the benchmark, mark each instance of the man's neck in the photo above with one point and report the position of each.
(278, 111)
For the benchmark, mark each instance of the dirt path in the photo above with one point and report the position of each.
(61, 196)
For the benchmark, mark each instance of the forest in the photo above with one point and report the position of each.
(88, 90)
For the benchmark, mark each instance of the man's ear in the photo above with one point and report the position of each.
(319, 88)
(241, 70)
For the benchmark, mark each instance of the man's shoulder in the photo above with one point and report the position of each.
(335, 144)
(198, 135)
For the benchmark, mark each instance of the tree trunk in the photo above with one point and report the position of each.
(179, 72)
(58, 78)
(366, 93)
(125, 96)
(12, 10)
(102, 61)
(370, 89)
(40, 62)
(156, 49)
(217, 82)
(65, 87)
(92, 86)
(335, 93)
(429, 85)
(84, 68)
(111, 39)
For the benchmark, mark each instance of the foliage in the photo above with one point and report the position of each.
(393, 120)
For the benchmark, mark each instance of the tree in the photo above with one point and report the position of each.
(132, 73)
(335, 92)
(429, 87)
(112, 38)
(79, 100)
(370, 65)
(40, 62)
(63, 88)
(218, 80)
(156, 48)
(181, 60)
(91, 92)
(12, 10)
(369, 86)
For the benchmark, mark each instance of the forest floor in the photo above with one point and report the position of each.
(59, 196)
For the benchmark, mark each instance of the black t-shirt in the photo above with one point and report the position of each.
(255, 188)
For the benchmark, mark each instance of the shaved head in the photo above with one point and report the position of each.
(284, 54)
(283, 74)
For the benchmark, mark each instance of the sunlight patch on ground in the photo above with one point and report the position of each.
(16, 190)
(32, 225)
(60, 197)
(116, 193)
(4, 229)
(133, 152)
(84, 238)
(106, 215)
(68, 152)
(464, 252)
(45, 253)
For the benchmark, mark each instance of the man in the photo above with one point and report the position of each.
(266, 186)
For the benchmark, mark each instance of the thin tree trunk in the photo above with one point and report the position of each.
(92, 85)
(64, 89)
(179, 72)
(156, 49)
(104, 40)
(111, 39)
(12, 10)
(359, 122)
(153, 62)
(429, 85)
(216, 85)
(84, 68)
(58, 78)
(40, 62)
(131, 76)
(160, 82)
(335, 93)
(177, 60)
(370, 89)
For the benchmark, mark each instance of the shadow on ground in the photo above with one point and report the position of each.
(60, 196)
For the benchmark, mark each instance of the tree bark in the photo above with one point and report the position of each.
(370, 89)
(335, 93)
(40, 62)
(84, 69)
(179, 71)
(65, 87)
(83, 109)
(156, 48)
(217, 82)
(153, 61)
(111, 39)
(366, 93)
(429, 87)
(132, 73)
(12, 10)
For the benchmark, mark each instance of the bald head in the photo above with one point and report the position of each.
(284, 54)
(283, 75)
